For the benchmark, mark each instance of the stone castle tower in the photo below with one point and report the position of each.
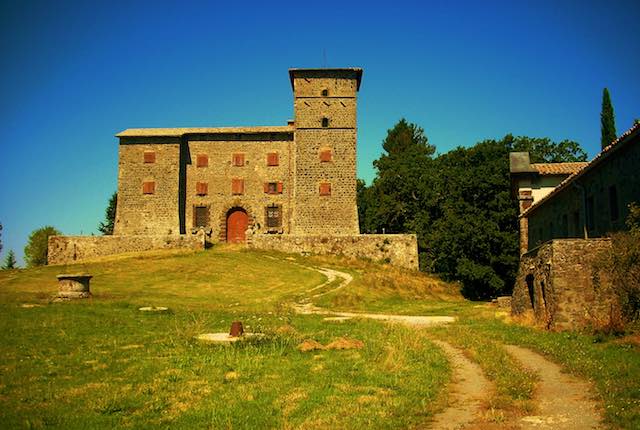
(325, 160)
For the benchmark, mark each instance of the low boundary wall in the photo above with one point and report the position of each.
(396, 249)
(72, 249)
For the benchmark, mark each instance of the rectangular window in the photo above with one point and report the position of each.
(273, 187)
(202, 160)
(202, 188)
(614, 213)
(237, 187)
(201, 216)
(149, 157)
(273, 216)
(591, 222)
(272, 159)
(325, 155)
(325, 189)
(148, 187)
(238, 160)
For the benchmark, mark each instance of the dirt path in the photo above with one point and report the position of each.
(563, 400)
(468, 390)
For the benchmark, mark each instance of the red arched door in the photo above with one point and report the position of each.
(237, 223)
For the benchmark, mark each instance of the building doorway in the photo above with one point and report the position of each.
(237, 223)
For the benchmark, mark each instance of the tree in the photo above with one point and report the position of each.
(35, 253)
(0, 237)
(9, 261)
(106, 227)
(607, 120)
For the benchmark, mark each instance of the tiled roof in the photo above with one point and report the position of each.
(606, 152)
(177, 132)
(558, 168)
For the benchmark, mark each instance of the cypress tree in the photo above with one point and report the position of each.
(607, 120)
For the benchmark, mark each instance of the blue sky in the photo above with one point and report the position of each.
(75, 73)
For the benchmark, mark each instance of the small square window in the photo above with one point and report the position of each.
(325, 122)
(238, 160)
(202, 160)
(237, 187)
(201, 216)
(149, 157)
(325, 189)
(325, 92)
(202, 188)
(273, 187)
(325, 155)
(148, 187)
(273, 216)
(272, 159)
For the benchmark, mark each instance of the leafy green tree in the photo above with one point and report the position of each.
(9, 261)
(106, 227)
(607, 120)
(35, 253)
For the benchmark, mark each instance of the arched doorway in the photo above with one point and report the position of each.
(237, 223)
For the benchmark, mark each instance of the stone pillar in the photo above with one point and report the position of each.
(525, 200)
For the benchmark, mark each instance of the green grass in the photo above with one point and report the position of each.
(101, 363)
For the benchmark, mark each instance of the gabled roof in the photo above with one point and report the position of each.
(620, 142)
(178, 132)
(559, 168)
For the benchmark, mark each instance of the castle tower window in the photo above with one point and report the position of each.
(148, 187)
(201, 216)
(273, 187)
(272, 159)
(238, 160)
(149, 157)
(237, 187)
(325, 155)
(202, 160)
(273, 216)
(202, 188)
(325, 189)
(325, 122)
(325, 92)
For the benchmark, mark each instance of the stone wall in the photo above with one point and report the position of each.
(72, 249)
(397, 249)
(558, 283)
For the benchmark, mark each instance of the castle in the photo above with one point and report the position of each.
(298, 179)
(290, 188)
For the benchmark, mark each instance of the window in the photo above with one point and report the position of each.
(325, 122)
(325, 189)
(148, 187)
(325, 155)
(201, 216)
(272, 159)
(149, 157)
(591, 222)
(532, 298)
(273, 216)
(273, 187)
(237, 187)
(202, 160)
(614, 213)
(325, 92)
(238, 160)
(202, 188)
(577, 228)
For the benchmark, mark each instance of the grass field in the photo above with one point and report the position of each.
(101, 363)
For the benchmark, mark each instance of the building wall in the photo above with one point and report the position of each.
(397, 249)
(255, 172)
(559, 285)
(148, 214)
(563, 215)
(74, 249)
(337, 213)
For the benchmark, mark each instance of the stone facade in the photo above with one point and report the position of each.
(396, 249)
(557, 282)
(71, 249)
(305, 170)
